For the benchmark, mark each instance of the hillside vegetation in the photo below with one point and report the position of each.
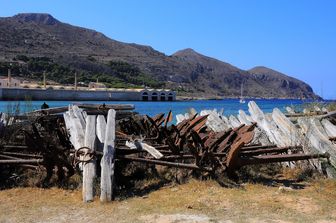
(125, 75)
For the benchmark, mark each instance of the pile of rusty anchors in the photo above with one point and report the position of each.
(191, 145)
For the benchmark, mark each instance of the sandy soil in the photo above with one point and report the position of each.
(195, 201)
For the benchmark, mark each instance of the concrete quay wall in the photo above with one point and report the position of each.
(81, 95)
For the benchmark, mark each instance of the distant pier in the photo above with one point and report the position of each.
(87, 95)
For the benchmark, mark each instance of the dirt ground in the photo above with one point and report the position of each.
(196, 201)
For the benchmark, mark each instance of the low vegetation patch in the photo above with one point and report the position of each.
(117, 74)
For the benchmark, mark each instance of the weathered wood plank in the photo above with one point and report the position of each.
(234, 121)
(243, 118)
(56, 110)
(107, 106)
(89, 168)
(75, 129)
(329, 114)
(214, 121)
(287, 127)
(49, 111)
(144, 146)
(290, 110)
(80, 115)
(266, 124)
(107, 161)
(319, 142)
(293, 135)
(179, 118)
(329, 128)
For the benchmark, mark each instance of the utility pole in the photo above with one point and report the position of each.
(9, 75)
(44, 80)
(75, 81)
(322, 90)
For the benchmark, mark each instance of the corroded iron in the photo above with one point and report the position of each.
(43, 140)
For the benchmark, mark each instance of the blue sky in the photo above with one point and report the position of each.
(296, 37)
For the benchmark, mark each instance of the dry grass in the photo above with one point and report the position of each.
(195, 201)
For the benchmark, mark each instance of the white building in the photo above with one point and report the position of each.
(8, 82)
(96, 85)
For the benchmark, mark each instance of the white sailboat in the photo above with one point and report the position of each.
(241, 100)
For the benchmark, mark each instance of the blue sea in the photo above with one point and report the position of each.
(230, 106)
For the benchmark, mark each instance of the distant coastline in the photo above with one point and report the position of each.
(191, 98)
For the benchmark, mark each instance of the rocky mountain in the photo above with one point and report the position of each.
(93, 55)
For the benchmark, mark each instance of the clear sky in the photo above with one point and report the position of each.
(296, 37)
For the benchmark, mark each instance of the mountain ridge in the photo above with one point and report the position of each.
(91, 53)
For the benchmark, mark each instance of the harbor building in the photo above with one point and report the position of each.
(9, 82)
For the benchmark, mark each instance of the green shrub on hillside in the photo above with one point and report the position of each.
(121, 74)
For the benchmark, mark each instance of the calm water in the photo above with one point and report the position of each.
(230, 106)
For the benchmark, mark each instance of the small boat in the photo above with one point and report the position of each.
(241, 100)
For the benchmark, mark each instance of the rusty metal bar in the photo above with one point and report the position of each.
(178, 157)
(22, 161)
(14, 147)
(21, 154)
(263, 151)
(280, 158)
(332, 138)
(163, 163)
(8, 157)
(258, 147)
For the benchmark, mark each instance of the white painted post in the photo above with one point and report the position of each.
(107, 161)
(89, 168)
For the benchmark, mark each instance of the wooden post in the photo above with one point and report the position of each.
(107, 161)
(101, 127)
(89, 168)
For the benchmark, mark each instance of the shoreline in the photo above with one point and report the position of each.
(190, 98)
